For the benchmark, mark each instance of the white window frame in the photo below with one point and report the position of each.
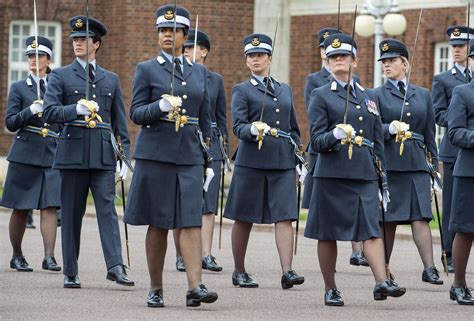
(21, 65)
(442, 62)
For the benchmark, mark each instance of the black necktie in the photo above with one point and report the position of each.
(349, 88)
(177, 65)
(468, 74)
(268, 84)
(401, 87)
(91, 72)
(42, 87)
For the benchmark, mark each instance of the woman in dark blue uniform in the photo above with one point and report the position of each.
(345, 204)
(406, 158)
(219, 147)
(263, 188)
(168, 149)
(31, 183)
(461, 134)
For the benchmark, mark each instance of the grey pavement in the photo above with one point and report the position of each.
(39, 295)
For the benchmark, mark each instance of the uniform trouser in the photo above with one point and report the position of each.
(448, 236)
(75, 186)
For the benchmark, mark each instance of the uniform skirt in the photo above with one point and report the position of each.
(262, 196)
(165, 195)
(410, 197)
(309, 182)
(343, 210)
(31, 187)
(211, 197)
(462, 210)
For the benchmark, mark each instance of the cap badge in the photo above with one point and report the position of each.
(255, 41)
(385, 47)
(336, 43)
(169, 15)
(79, 23)
(33, 44)
(456, 32)
(325, 34)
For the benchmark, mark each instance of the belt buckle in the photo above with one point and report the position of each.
(183, 120)
(91, 124)
(274, 132)
(44, 132)
(358, 140)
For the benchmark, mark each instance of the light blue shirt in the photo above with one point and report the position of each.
(260, 78)
(37, 79)
(83, 64)
(463, 69)
(395, 82)
(170, 59)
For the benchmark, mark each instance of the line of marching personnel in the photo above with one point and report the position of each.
(373, 157)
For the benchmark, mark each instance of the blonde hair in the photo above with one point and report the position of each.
(407, 63)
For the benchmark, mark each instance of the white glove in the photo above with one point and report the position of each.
(122, 170)
(435, 185)
(254, 130)
(82, 110)
(167, 101)
(340, 133)
(302, 171)
(36, 108)
(209, 176)
(396, 126)
(385, 200)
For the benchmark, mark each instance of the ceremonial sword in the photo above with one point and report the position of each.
(195, 38)
(260, 124)
(38, 89)
(468, 39)
(348, 139)
(402, 136)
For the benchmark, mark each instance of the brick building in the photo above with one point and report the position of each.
(132, 38)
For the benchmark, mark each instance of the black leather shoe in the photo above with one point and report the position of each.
(358, 259)
(386, 289)
(72, 282)
(462, 295)
(333, 297)
(290, 278)
(244, 280)
(180, 264)
(119, 275)
(155, 299)
(200, 294)
(19, 263)
(50, 264)
(209, 263)
(431, 275)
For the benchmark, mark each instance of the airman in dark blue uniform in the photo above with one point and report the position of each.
(409, 136)
(263, 186)
(85, 154)
(169, 149)
(31, 182)
(219, 149)
(345, 202)
(442, 89)
(316, 80)
(461, 135)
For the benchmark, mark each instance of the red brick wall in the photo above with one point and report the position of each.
(305, 57)
(132, 37)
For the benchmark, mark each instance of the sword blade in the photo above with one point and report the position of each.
(38, 90)
(173, 52)
(195, 38)
(87, 50)
(346, 106)
(411, 64)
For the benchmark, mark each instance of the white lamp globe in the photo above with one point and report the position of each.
(394, 24)
(365, 25)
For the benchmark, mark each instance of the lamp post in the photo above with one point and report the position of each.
(376, 17)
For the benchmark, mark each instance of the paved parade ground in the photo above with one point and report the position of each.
(40, 296)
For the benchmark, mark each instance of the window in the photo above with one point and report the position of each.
(19, 31)
(443, 61)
